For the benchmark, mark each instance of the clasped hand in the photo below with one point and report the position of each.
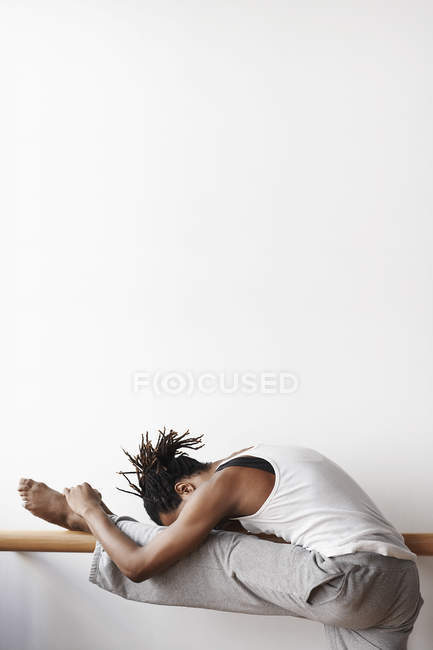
(82, 497)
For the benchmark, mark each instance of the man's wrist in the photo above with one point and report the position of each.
(91, 511)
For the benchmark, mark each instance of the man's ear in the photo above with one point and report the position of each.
(183, 487)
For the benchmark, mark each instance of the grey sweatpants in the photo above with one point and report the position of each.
(364, 600)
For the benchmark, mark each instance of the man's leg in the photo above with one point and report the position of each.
(50, 505)
(365, 601)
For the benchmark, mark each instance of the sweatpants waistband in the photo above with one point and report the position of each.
(368, 558)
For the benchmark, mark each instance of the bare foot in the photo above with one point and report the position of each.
(48, 504)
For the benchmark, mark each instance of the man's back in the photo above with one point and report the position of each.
(314, 503)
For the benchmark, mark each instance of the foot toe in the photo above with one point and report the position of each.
(25, 483)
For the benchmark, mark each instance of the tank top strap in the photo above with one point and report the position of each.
(248, 461)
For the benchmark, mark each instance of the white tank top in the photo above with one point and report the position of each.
(315, 504)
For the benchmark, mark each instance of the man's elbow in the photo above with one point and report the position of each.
(135, 574)
(136, 577)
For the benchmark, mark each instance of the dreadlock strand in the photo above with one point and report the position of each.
(131, 484)
(129, 492)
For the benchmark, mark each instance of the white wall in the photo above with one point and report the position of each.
(231, 186)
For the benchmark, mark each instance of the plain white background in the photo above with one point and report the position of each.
(228, 187)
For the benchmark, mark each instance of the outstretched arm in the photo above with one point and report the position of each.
(208, 505)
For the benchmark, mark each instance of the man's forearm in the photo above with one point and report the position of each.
(119, 546)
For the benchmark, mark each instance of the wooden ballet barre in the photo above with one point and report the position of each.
(419, 543)
(52, 541)
(69, 541)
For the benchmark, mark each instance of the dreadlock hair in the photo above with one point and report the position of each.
(159, 468)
